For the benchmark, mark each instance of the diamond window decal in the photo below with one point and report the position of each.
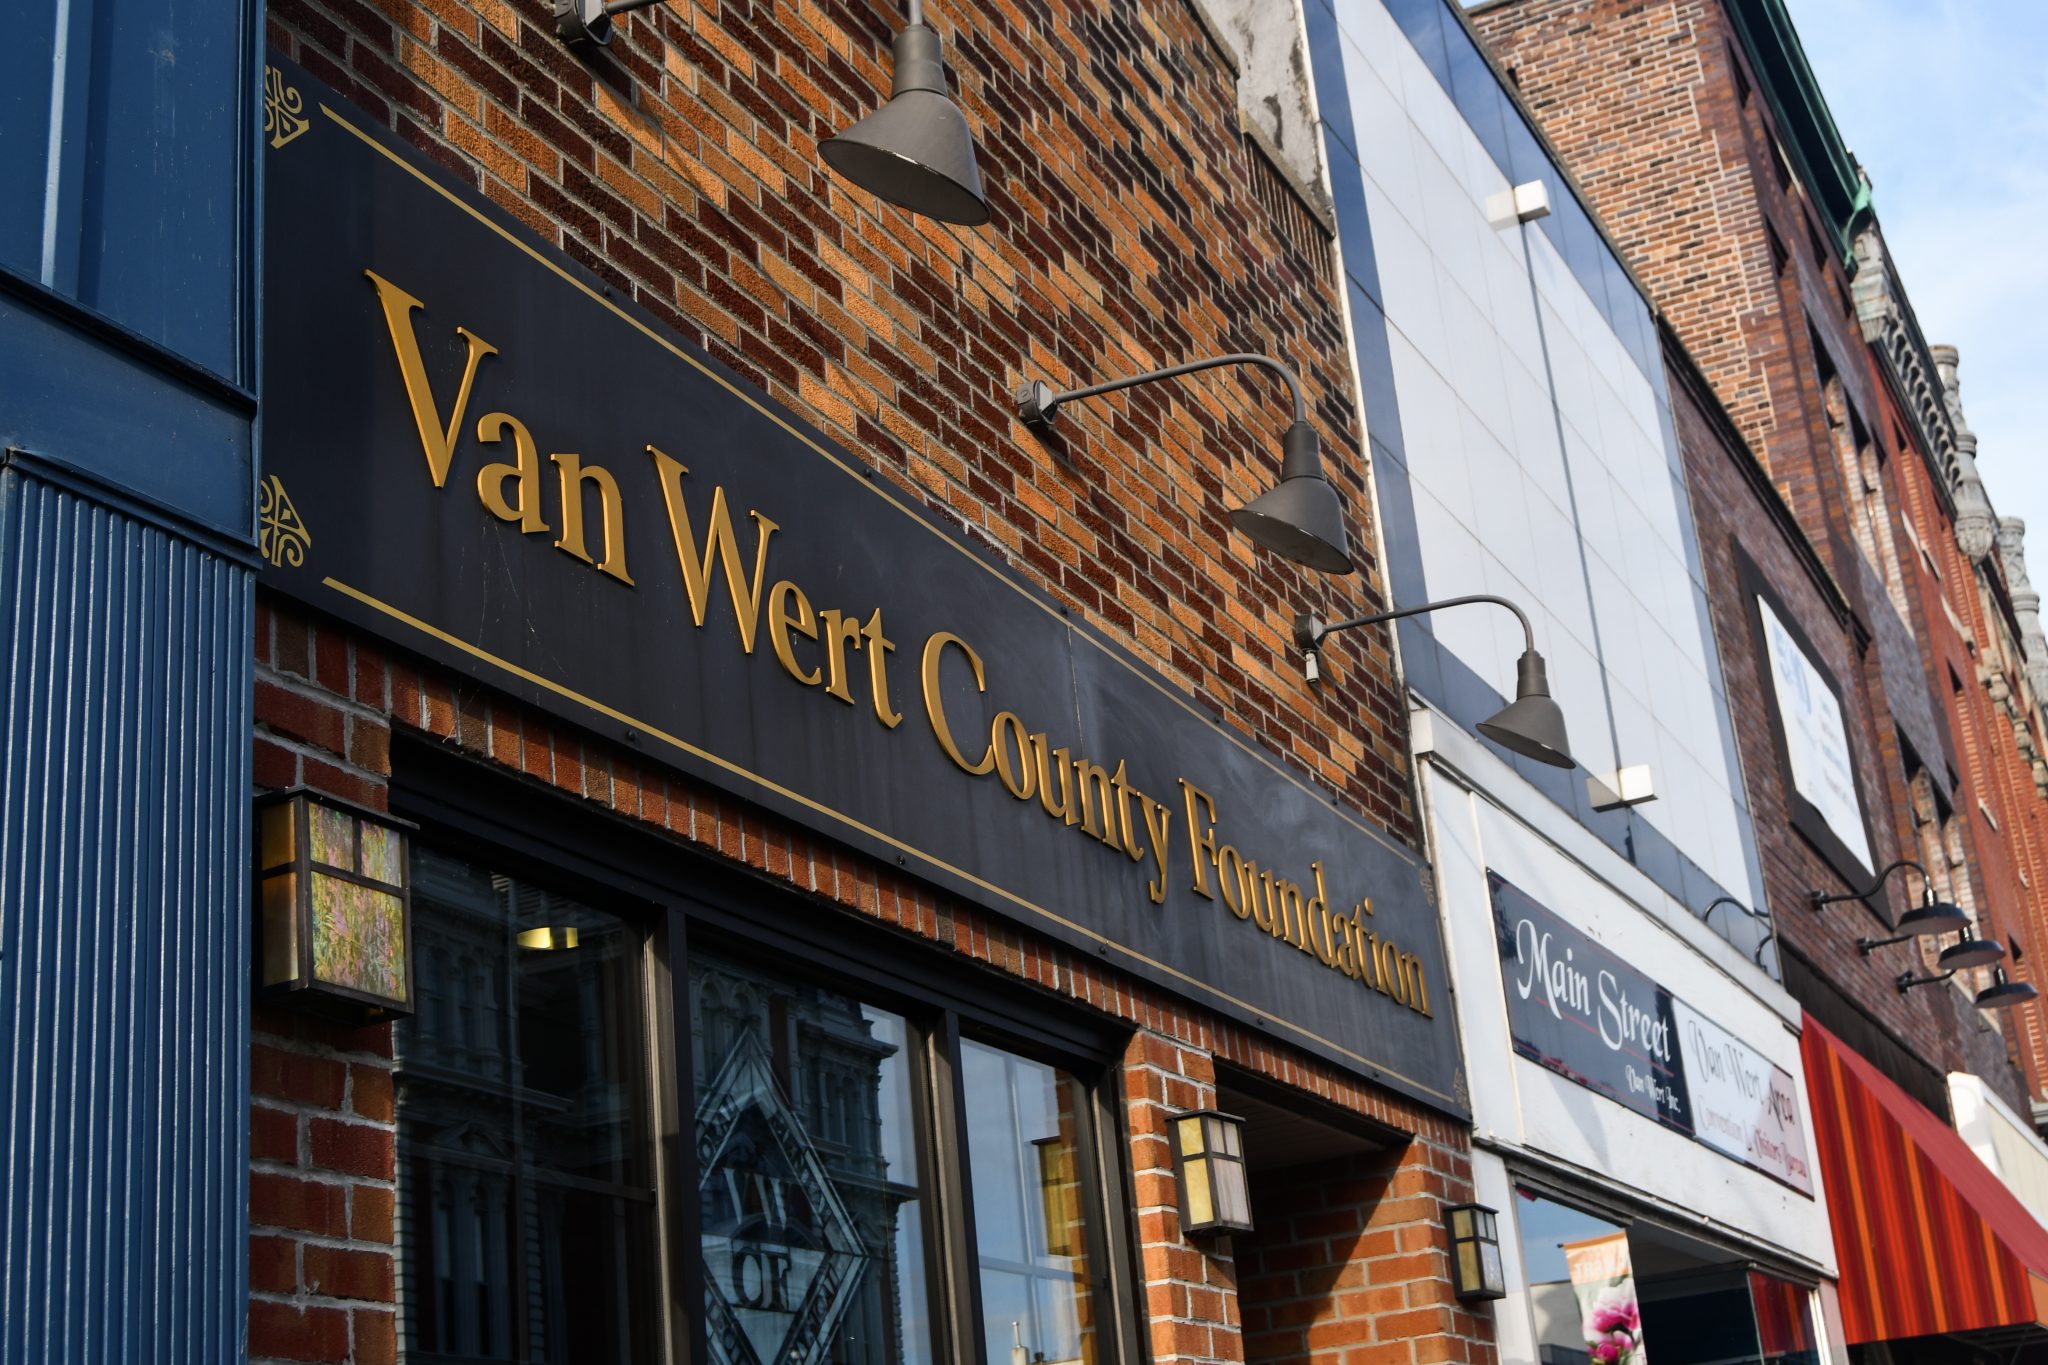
(782, 1258)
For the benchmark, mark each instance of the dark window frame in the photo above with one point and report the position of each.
(685, 900)
(1804, 817)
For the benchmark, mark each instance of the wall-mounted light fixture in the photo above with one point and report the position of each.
(1476, 1270)
(1967, 951)
(1531, 725)
(1299, 518)
(915, 151)
(2001, 994)
(334, 907)
(551, 938)
(582, 23)
(1208, 1160)
(1929, 917)
(1760, 917)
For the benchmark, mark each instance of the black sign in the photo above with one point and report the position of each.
(1584, 1013)
(473, 450)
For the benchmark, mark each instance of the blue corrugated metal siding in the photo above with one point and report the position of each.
(124, 711)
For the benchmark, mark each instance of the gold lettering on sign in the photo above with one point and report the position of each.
(781, 623)
(437, 439)
(523, 471)
(574, 474)
(1279, 907)
(719, 542)
(1067, 786)
(935, 709)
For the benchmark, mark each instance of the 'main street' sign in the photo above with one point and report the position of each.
(474, 451)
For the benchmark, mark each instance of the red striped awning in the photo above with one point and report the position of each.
(1927, 1239)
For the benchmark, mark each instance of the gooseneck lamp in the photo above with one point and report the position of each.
(2001, 994)
(1931, 916)
(915, 151)
(1531, 725)
(1770, 929)
(1299, 518)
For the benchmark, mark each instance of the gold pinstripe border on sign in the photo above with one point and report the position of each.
(860, 479)
(811, 804)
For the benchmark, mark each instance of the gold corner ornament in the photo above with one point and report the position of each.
(281, 109)
(282, 538)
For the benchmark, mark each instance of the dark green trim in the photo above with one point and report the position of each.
(1811, 139)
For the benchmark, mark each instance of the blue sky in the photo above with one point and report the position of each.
(1945, 102)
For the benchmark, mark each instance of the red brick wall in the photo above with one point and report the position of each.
(1730, 510)
(1656, 110)
(2005, 812)
(328, 703)
(321, 1152)
(1131, 230)
(1350, 1263)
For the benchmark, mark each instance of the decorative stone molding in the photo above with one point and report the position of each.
(2026, 602)
(1976, 525)
(1927, 377)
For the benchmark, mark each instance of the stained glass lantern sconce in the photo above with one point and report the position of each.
(1476, 1270)
(1208, 1159)
(334, 908)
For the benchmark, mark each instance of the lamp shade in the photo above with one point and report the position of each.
(1300, 518)
(1476, 1268)
(915, 151)
(1531, 725)
(1933, 917)
(334, 907)
(2004, 994)
(1971, 951)
(1208, 1156)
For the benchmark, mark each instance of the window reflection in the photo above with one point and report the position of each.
(1024, 1168)
(1582, 1287)
(526, 1215)
(1602, 1294)
(809, 1179)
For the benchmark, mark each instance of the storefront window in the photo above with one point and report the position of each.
(808, 1179)
(1601, 1293)
(818, 1150)
(1024, 1165)
(526, 1183)
(1582, 1287)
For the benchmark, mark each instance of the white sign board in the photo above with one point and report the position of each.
(1816, 744)
(1742, 1104)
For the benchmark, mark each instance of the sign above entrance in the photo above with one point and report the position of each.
(474, 451)
(1582, 1012)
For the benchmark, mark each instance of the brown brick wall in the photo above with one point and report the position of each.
(1729, 509)
(1134, 227)
(1655, 108)
(1350, 1263)
(2006, 816)
(323, 1130)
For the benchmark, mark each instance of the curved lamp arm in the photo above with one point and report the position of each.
(1309, 632)
(1821, 901)
(1770, 929)
(1037, 401)
(1530, 725)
